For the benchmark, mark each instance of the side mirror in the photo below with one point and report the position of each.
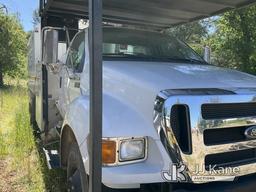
(207, 54)
(50, 46)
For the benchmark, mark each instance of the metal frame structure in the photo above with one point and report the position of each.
(145, 13)
(150, 13)
(95, 46)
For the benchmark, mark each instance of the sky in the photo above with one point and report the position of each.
(24, 9)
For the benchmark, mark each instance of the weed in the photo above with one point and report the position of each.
(24, 166)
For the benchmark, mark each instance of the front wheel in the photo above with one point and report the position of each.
(76, 176)
(77, 179)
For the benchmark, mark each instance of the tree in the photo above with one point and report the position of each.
(190, 32)
(234, 43)
(13, 47)
(193, 33)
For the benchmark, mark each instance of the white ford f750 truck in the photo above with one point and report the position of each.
(168, 116)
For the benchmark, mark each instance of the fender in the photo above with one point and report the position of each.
(75, 127)
(119, 120)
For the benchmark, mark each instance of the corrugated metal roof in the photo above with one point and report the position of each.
(154, 13)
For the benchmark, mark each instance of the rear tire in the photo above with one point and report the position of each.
(77, 179)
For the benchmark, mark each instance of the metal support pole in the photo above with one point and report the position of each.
(95, 44)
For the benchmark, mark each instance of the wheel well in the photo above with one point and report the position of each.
(67, 139)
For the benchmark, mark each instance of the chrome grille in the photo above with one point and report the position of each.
(231, 159)
(225, 135)
(201, 128)
(228, 110)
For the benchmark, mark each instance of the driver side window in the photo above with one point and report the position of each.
(76, 54)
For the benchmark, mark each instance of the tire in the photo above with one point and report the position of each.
(77, 180)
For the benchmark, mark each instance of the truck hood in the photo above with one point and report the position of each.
(160, 76)
(130, 89)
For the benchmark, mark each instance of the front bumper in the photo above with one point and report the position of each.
(133, 175)
(241, 184)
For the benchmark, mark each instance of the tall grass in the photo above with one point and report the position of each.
(19, 147)
(24, 149)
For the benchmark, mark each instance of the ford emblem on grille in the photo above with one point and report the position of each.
(250, 133)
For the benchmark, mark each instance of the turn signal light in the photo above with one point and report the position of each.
(108, 152)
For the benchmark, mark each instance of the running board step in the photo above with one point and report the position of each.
(52, 159)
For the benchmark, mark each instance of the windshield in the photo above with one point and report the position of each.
(120, 43)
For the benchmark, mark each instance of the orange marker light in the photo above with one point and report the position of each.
(108, 152)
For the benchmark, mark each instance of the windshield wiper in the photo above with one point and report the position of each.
(154, 58)
(125, 55)
(190, 60)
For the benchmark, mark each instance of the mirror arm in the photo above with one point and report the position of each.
(74, 77)
(67, 34)
(55, 67)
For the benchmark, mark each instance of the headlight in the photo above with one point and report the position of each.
(132, 149)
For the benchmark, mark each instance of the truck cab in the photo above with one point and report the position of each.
(164, 109)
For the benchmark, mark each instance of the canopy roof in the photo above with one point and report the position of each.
(153, 13)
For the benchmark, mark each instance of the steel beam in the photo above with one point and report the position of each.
(95, 46)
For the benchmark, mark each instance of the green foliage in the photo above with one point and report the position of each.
(194, 34)
(232, 38)
(25, 167)
(13, 47)
(234, 42)
(190, 32)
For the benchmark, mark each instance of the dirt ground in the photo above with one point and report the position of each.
(7, 178)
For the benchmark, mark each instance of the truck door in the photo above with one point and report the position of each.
(71, 72)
